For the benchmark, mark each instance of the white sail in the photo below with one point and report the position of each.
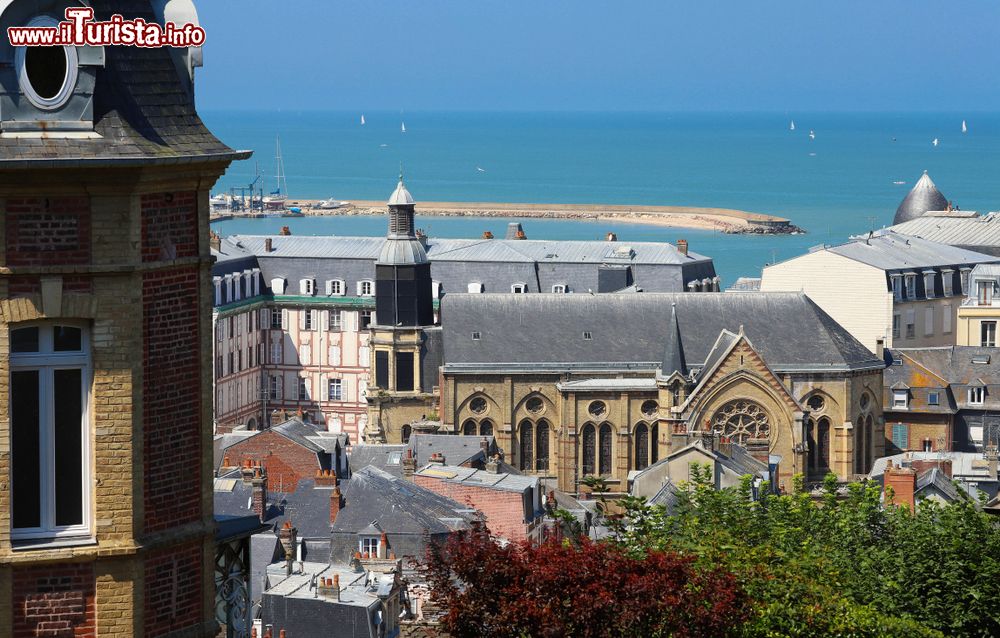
(402, 127)
(936, 142)
(812, 134)
(362, 119)
(965, 129)
(792, 126)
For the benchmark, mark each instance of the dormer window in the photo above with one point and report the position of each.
(519, 288)
(368, 545)
(897, 287)
(911, 286)
(929, 284)
(900, 399)
(46, 75)
(976, 395)
(947, 277)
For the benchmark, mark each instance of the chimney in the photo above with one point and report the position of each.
(726, 446)
(287, 536)
(214, 240)
(436, 459)
(247, 471)
(903, 481)
(383, 546)
(493, 464)
(336, 504)
(682, 246)
(285, 231)
(487, 234)
(326, 478)
(259, 483)
(484, 445)
(422, 237)
(226, 463)
(760, 450)
(409, 465)
(329, 588)
(268, 245)
(520, 235)
(612, 237)
(880, 348)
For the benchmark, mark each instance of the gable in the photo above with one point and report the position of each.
(743, 359)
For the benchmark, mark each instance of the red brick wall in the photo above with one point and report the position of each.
(55, 601)
(173, 584)
(169, 226)
(504, 510)
(171, 405)
(286, 462)
(43, 231)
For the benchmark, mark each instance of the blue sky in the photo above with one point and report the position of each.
(660, 55)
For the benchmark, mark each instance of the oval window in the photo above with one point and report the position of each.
(47, 75)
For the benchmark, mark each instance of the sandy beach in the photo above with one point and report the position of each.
(720, 219)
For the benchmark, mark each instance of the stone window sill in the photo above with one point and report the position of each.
(29, 544)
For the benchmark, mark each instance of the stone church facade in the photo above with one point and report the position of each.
(606, 385)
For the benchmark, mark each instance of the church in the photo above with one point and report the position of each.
(605, 384)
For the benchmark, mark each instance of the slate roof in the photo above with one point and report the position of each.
(143, 112)
(545, 332)
(667, 497)
(955, 365)
(480, 478)
(980, 233)
(457, 449)
(890, 250)
(964, 465)
(923, 197)
(387, 458)
(673, 352)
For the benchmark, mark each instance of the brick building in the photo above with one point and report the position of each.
(106, 524)
(512, 505)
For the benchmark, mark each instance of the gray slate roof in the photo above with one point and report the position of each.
(545, 332)
(923, 197)
(980, 233)
(502, 481)
(955, 364)
(142, 111)
(890, 250)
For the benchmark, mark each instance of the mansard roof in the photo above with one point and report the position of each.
(143, 111)
(552, 332)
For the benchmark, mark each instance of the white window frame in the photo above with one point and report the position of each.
(278, 285)
(46, 361)
(336, 321)
(366, 288)
(276, 388)
(308, 319)
(436, 289)
(560, 288)
(335, 287)
(947, 278)
(367, 543)
(897, 287)
(911, 286)
(519, 288)
(371, 319)
(337, 384)
(217, 284)
(929, 285)
(277, 352)
(302, 389)
(307, 287)
(988, 334)
(475, 287)
(900, 399)
(977, 395)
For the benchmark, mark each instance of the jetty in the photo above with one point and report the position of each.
(719, 219)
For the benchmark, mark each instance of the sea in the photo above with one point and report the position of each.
(845, 181)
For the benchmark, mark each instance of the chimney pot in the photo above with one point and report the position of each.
(285, 231)
(487, 234)
(268, 245)
(281, 634)
(682, 246)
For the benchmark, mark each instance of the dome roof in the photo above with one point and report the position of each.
(924, 197)
(400, 196)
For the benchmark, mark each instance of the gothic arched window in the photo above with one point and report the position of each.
(641, 446)
(589, 448)
(542, 446)
(869, 442)
(811, 442)
(604, 462)
(405, 434)
(469, 428)
(654, 450)
(859, 445)
(526, 445)
(823, 444)
(741, 420)
(486, 428)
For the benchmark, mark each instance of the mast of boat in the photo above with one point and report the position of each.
(279, 168)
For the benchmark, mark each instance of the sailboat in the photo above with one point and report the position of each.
(276, 199)
(812, 134)
(965, 129)
(791, 127)
(362, 119)
(402, 127)
(935, 142)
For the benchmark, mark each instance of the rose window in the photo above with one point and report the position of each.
(741, 420)
(478, 405)
(534, 405)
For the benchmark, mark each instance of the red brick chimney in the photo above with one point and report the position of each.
(682, 246)
(287, 535)
(259, 501)
(903, 481)
(409, 465)
(336, 503)
(383, 546)
(759, 449)
(436, 459)
(326, 478)
(247, 471)
(487, 234)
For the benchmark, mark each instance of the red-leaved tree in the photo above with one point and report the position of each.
(584, 591)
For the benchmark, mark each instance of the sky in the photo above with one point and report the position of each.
(610, 55)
